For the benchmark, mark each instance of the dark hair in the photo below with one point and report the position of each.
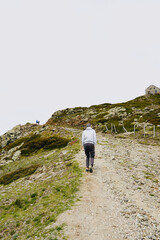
(88, 124)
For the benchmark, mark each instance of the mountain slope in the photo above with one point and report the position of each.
(140, 111)
(39, 173)
(38, 184)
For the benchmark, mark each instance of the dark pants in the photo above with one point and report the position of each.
(90, 152)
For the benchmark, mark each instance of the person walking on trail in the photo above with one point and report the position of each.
(89, 142)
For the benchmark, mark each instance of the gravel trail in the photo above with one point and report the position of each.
(121, 198)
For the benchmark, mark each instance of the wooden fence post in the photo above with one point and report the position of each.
(111, 127)
(106, 128)
(134, 129)
(154, 131)
(115, 129)
(144, 130)
(124, 128)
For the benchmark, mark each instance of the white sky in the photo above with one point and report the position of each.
(56, 54)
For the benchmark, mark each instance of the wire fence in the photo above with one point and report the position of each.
(145, 130)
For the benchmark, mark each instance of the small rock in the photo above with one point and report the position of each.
(16, 155)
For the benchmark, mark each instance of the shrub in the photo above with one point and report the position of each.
(19, 203)
(152, 117)
(36, 142)
(21, 140)
(34, 195)
(46, 143)
(22, 172)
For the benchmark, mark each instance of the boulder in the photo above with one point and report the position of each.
(10, 136)
(16, 156)
(116, 111)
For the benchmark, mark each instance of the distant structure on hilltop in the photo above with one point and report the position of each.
(152, 90)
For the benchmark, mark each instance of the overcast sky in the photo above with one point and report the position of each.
(56, 54)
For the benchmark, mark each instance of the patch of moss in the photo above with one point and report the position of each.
(155, 99)
(139, 102)
(152, 117)
(22, 172)
(128, 124)
(104, 105)
(80, 109)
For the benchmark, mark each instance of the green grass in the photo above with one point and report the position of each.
(27, 204)
(35, 213)
(150, 176)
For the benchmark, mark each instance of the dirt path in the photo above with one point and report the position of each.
(120, 199)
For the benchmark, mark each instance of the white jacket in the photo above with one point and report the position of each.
(89, 136)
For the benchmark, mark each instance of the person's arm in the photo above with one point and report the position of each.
(94, 137)
(83, 139)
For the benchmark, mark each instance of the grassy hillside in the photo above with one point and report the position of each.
(39, 185)
(39, 176)
(140, 111)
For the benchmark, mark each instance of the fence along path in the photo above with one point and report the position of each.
(114, 129)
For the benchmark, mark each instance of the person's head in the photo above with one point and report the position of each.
(88, 125)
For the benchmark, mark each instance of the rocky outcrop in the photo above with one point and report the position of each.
(116, 111)
(10, 156)
(140, 111)
(17, 132)
(14, 154)
(27, 139)
(10, 136)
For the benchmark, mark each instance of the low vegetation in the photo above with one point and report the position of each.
(37, 188)
(139, 111)
(20, 173)
(44, 181)
(36, 142)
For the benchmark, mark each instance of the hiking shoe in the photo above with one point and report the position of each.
(87, 169)
(91, 170)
